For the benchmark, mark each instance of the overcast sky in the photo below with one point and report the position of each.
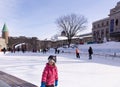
(36, 18)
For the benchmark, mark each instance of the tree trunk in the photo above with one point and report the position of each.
(69, 42)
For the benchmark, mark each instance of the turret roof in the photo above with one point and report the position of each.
(4, 28)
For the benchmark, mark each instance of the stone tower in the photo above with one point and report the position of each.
(5, 33)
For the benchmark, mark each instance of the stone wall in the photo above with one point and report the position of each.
(2, 43)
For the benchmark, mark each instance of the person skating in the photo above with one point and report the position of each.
(90, 51)
(77, 53)
(50, 73)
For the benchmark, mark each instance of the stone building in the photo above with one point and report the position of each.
(108, 28)
(2, 43)
(86, 38)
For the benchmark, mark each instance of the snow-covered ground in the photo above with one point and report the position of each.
(105, 48)
(101, 71)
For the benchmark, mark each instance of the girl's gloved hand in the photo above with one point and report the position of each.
(43, 84)
(56, 82)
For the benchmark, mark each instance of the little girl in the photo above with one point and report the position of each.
(50, 73)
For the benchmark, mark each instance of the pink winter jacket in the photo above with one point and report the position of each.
(50, 74)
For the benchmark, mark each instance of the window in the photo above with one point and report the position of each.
(94, 26)
(107, 23)
(111, 25)
(98, 25)
(102, 24)
(116, 22)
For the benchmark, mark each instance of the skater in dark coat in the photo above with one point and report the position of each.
(4, 50)
(90, 51)
(50, 73)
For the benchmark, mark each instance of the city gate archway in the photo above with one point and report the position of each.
(29, 43)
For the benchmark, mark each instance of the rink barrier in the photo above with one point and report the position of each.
(109, 55)
(114, 55)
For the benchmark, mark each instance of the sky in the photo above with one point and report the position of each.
(36, 18)
(101, 71)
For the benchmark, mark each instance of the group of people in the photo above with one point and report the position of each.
(90, 51)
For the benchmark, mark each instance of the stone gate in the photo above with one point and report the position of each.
(30, 43)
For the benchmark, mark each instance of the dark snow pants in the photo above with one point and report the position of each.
(90, 56)
(77, 55)
(49, 85)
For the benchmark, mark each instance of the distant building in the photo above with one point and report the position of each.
(108, 28)
(86, 38)
(63, 33)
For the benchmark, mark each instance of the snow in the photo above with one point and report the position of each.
(101, 71)
(105, 49)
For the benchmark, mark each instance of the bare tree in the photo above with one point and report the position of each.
(71, 25)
